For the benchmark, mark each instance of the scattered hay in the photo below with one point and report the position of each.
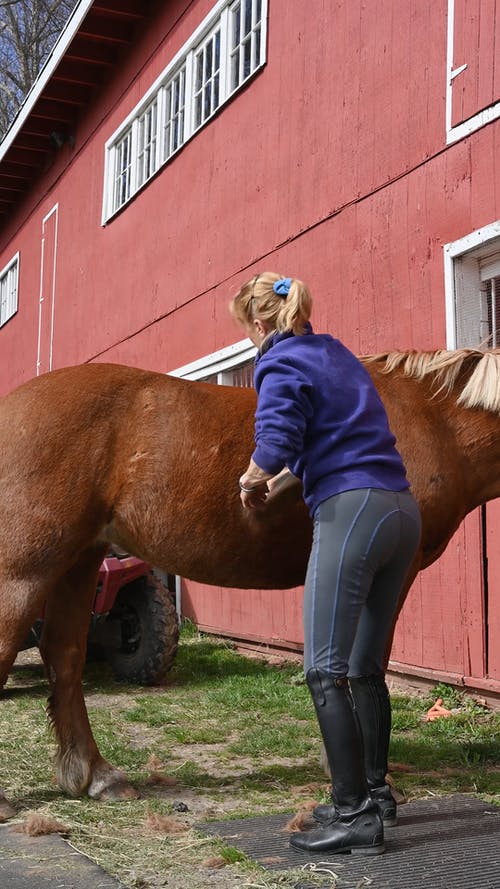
(166, 825)
(40, 825)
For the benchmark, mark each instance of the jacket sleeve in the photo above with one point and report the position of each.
(283, 409)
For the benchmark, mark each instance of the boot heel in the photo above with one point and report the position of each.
(391, 821)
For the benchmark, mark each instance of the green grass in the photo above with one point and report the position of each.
(239, 737)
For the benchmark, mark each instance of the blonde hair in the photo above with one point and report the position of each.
(257, 299)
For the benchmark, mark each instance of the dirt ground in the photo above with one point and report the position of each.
(193, 864)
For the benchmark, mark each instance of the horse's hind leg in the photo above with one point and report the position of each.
(21, 602)
(79, 765)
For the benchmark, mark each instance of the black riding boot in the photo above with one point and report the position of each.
(373, 706)
(356, 825)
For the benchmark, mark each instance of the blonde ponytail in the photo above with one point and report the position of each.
(283, 303)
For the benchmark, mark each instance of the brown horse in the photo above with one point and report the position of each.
(104, 454)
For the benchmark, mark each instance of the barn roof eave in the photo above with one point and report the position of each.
(90, 44)
(57, 53)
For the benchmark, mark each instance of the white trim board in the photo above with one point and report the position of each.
(223, 359)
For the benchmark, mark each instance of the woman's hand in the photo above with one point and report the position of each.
(253, 497)
(253, 487)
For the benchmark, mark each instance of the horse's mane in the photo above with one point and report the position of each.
(481, 389)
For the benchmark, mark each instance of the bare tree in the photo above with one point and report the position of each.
(28, 31)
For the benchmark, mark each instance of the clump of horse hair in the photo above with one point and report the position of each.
(157, 775)
(482, 389)
(164, 824)
(301, 818)
(215, 863)
(40, 825)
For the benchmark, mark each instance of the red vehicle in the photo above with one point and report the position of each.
(134, 621)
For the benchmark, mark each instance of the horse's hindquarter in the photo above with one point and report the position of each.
(58, 437)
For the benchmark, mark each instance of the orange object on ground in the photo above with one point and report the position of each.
(437, 711)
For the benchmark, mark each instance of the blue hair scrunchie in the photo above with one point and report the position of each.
(282, 287)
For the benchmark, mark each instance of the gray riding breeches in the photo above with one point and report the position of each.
(364, 543)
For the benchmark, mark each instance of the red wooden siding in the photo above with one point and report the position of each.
(271, 617)
(331, 164)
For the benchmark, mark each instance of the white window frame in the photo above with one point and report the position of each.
(474, 245)
(173, 114)
(219, 363)
(454, 133)
(9, 290)
(183, 67)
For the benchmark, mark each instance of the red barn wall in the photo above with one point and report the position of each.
(331, 165)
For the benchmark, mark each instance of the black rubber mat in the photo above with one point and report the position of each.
(444, 843)
(47, 862)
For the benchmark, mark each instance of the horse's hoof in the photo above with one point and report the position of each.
(111, 784)
(6, 810)
(120, 790)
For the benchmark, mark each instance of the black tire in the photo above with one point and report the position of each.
(145, 647)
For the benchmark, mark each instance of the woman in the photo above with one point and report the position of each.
(319, 414)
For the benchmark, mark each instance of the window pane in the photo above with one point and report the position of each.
(247, 59)
(248, 17)
(235, 69)
(217, 52)
(199, 71)
(236, 36)
(197, 112)
(493, 302)
(208, 61)
(256, 52)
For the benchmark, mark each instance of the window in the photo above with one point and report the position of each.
(473, 290)
(9, 278)
(224, 52)
(245, 29)
(232, 366)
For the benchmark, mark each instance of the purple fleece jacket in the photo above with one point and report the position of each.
(319, 414)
